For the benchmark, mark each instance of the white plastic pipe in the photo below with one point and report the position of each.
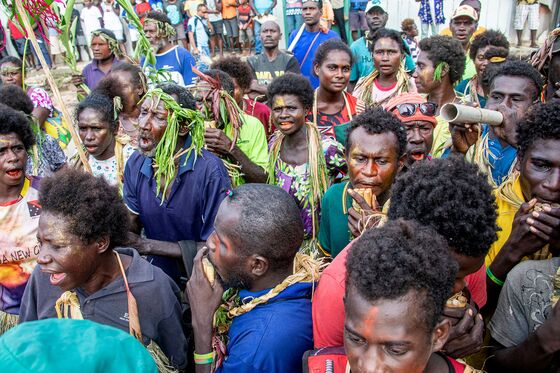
(454, 113)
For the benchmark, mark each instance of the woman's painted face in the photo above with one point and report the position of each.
(11, 74)
(288, 113)
(334, 72)
(480, 62)
(424, 74)
(97, 135)
(387, 56)
(69, 261)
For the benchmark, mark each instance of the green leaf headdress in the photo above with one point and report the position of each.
(439, 70)
(165, 157)
(113, 42)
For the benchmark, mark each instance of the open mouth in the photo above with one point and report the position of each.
(14, 173)
(57, 278)
(417, 155)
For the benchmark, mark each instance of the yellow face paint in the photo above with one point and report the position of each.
(279, 101)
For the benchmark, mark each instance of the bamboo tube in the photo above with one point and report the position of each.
(453, 113)
(31, 35)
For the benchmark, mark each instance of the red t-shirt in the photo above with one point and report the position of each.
(261, 112)
(327, 122)
(14, 31)
(328, 307)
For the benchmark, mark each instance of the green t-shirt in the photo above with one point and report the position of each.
(333, 229)
(470, 69)
(251, 141)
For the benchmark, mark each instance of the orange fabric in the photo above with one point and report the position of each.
(229, 9)
(409, 98)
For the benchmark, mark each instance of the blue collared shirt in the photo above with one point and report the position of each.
(188, 212)
(500, 158)
(273, 336)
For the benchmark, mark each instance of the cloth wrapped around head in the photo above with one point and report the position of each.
(419, 113)
(109, 37)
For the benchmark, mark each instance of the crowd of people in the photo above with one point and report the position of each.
(300, 210)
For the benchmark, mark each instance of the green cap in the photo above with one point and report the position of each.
(66, 345)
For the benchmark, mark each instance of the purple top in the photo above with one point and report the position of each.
(92, 74)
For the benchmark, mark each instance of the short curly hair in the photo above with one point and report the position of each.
(522, 69)
(13, 121)
(488, 38)
(292, 84)
(407, 24)
(448, 50)
(103, 105)
(269, 225)
(376, 121)
(110, 87)
(91, 207)
(540, 123)
(16, 98)
(453, 197)
(331, 45)
(237, 69)
(13, 60)
(403, 256)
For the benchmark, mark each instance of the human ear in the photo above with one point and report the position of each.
(259, 265)
(102, 244)
(440, 334)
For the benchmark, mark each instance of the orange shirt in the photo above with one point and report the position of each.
(229, 9)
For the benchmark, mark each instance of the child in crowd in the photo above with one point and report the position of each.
(244, 17)
(409, 32)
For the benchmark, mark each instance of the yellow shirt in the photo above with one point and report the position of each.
(506, 213)
(442, 137)
(478, 31)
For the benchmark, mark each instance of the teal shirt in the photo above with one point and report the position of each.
(363, 60)
(333, 229)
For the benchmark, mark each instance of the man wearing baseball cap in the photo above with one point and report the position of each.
(419, 119)
(376, 18)
(478, 7)
(463, 25)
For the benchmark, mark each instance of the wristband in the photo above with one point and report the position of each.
(204, 358)
(492, 277)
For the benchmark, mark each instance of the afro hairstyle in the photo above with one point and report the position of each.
(407, 24)
(521, 69)
(376, 121)
(292, 84)
(236, 69)
(269, 223)
(445, 49)
(453, 197)
(16, 98)
(14, 121)
(89, 205)
(540, 123)
(112, 88)
(400, 257)
(492, 38)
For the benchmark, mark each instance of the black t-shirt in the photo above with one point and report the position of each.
(265, 71)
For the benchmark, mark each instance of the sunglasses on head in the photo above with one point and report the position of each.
(426, 108)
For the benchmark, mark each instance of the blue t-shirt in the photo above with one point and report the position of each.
(306, 43)
(262, 5)
(357, 5)
(363, 60)
(188, 212)
(178, 63)
(273, 336)
(501, 157)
